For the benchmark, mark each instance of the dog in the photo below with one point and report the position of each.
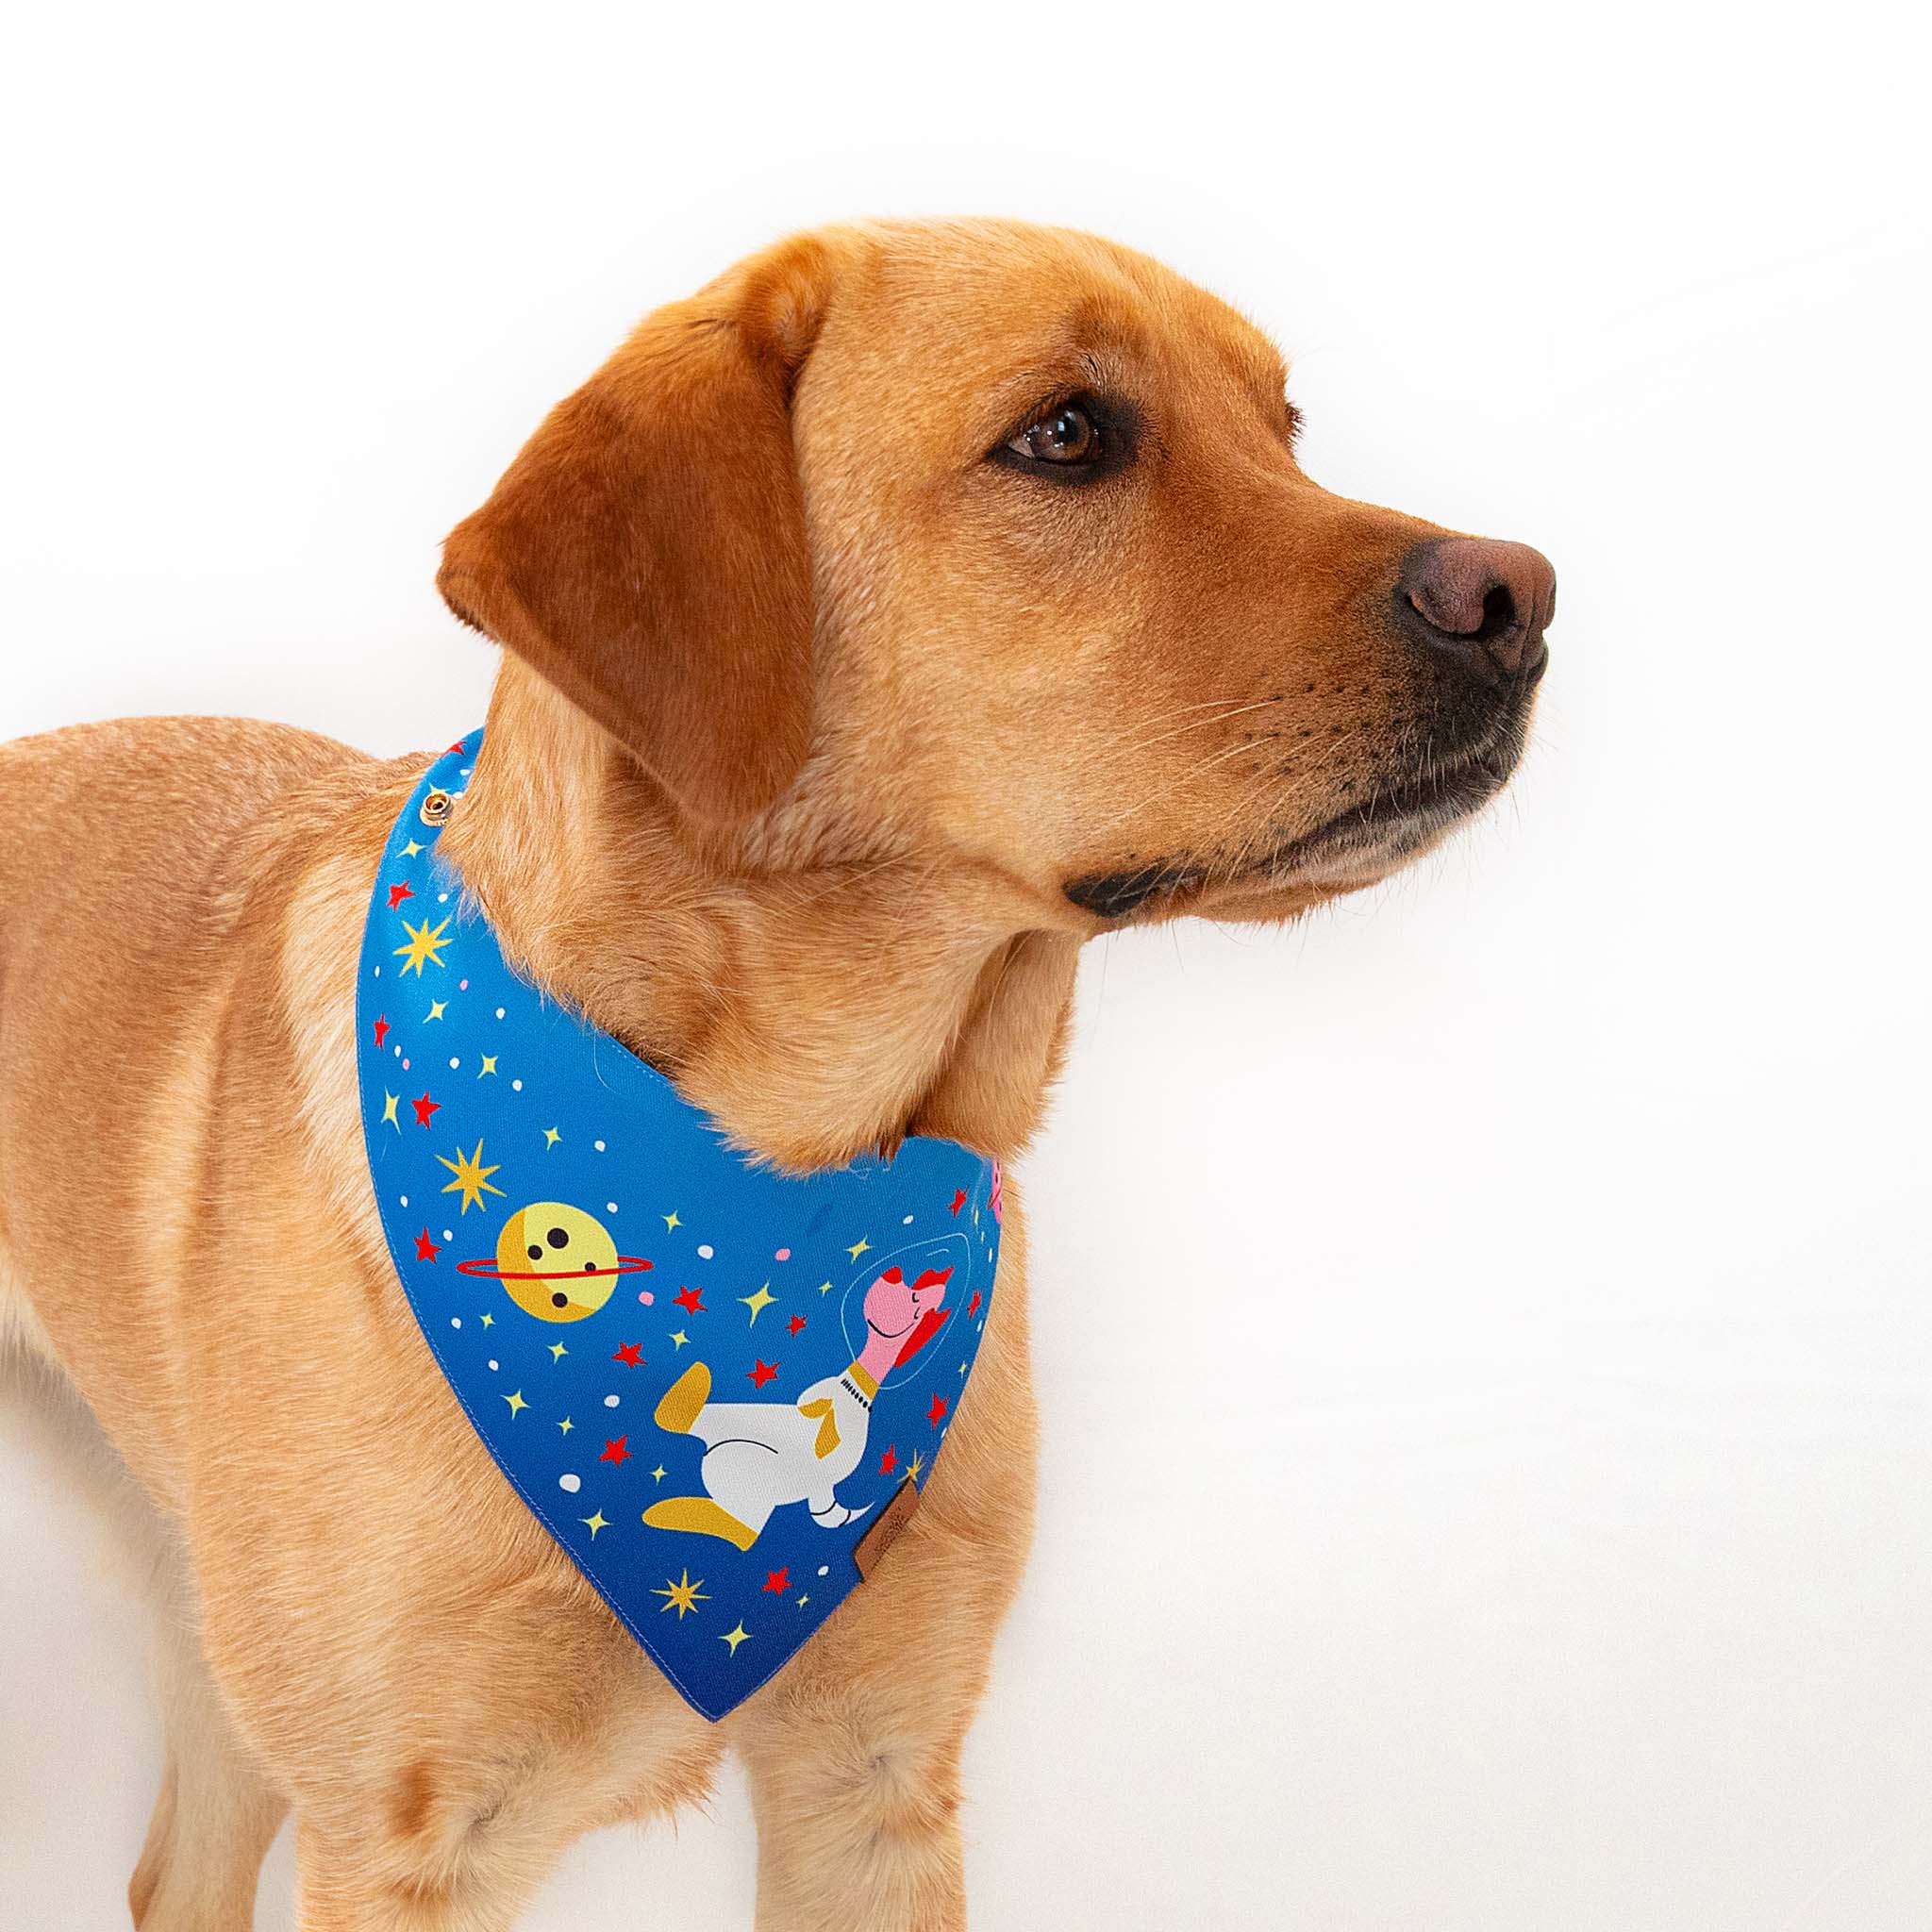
(911, 605)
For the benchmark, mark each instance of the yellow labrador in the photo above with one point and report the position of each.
(752, 582)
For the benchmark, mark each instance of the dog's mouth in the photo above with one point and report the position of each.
(1397, 817)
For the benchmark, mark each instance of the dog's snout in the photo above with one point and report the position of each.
(1485, 603)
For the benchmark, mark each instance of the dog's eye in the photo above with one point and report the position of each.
(1078, 438)
(1064, 434)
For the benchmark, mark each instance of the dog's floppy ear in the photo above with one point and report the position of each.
(646, 551)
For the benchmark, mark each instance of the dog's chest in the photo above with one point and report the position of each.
(704, 1379)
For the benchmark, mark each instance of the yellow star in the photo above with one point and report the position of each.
(658, 1475)
(424, 945)
(389, 1109)
(595, 1523)
(678, 1338)
(913, 1467)
(489, 1065)
(471, 1177)
(734, 1638)
(410, 850)
(517, 1403)
(551, 1136)
(859, 1247)
(557, 1352)
(682, 1596)
(565, 1425)
(759, 1302)
(436, 1012)
(489, 1321)
(671, 1220)
(962, 1368)
(803, 1601)
(825, 1287)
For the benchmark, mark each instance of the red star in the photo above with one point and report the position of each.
(796, 1322)
(888, 1462)
(397, 894)
(779, 1581)
(426, 1249)
(688, 1299)
(631, 1355)
(616, 1451)
(457, 746)
(937, 1413)
(973, 1307)
(958, 1199)
(762, 1373)
(381, 1029)
(425, 1108)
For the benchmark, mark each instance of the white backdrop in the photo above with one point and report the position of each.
(1520, 1522)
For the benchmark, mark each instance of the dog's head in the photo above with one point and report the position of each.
(988, 543)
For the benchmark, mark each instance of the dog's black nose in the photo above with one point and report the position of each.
(1485, 603)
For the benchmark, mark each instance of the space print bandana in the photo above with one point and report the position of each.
(707, 1381)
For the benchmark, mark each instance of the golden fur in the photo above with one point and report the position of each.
(808, 716)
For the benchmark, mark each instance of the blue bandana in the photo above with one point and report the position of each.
(707, 1380)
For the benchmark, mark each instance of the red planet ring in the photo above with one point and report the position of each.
(490, 1270)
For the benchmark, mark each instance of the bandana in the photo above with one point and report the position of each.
(706, 1380)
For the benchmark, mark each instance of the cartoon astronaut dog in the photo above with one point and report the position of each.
(760, 1455)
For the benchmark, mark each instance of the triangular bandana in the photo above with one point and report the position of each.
(707, 1381)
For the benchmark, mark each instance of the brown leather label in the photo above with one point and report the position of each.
(880, 1537)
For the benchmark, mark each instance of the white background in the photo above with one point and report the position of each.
(1484, 1334)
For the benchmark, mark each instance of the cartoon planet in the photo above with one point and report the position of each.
(555, 1261)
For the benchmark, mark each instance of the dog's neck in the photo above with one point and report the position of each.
(815, 1011)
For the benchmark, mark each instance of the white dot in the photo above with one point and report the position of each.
(379, 972)
(610, 1206)
(611, 1402)
(516, 1085)
(456, 1321)
(569, 1483)
(404, 1199)
(455, 1062)
(447, 1236)
(397, 1051)
(704, 1250)
(442, 898)
(499, 1013)
(825, 1569)
(492, 1361)
(598, 1145)
(907, 1223)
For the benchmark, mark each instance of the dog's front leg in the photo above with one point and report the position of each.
(854, 1749)
(857, 1817)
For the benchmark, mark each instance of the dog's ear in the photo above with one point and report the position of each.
(646, 551)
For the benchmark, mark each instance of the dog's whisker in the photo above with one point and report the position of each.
(1222, 717)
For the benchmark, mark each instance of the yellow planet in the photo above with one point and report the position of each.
(556, 1261)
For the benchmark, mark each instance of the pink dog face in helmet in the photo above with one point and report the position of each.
(895, 1306)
